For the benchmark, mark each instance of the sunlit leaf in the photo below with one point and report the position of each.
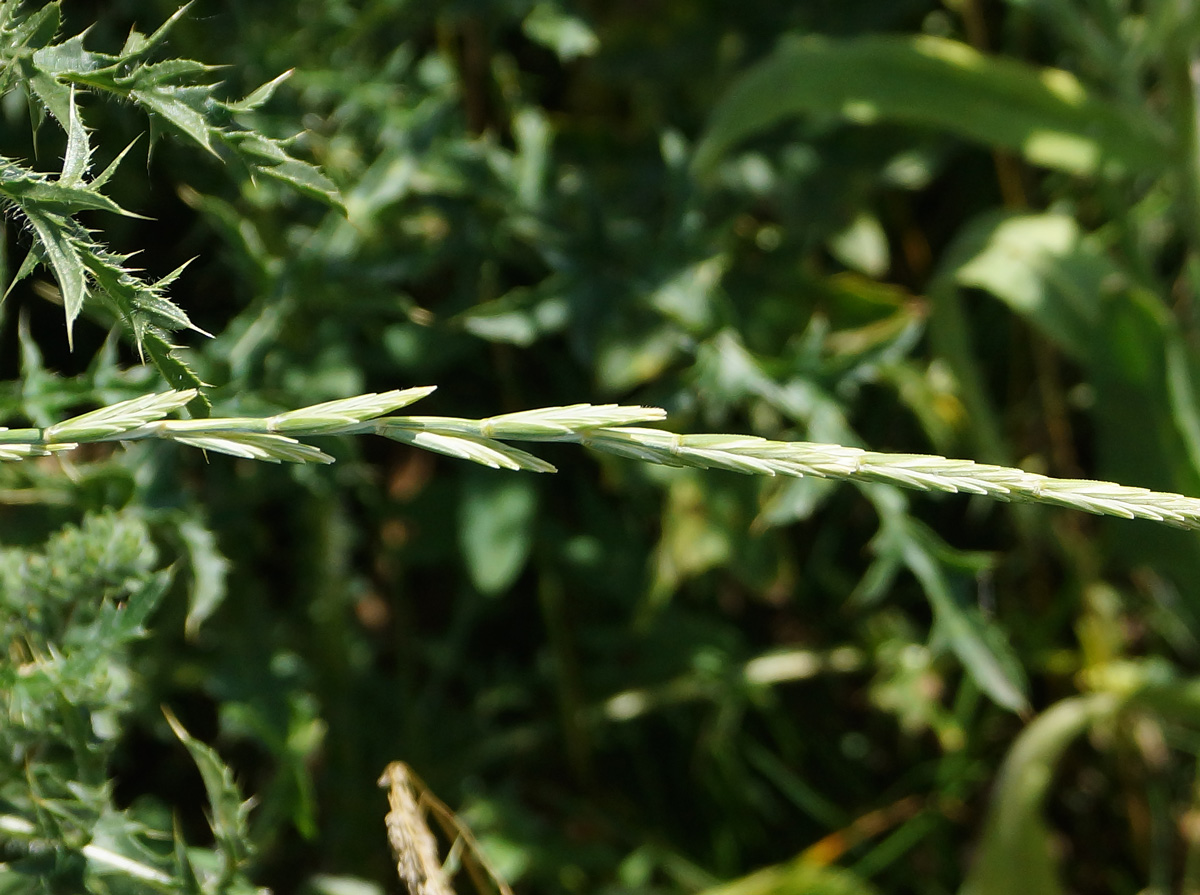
(1046, 114)
(495, 531)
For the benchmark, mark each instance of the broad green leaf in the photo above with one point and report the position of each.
(495, 529)
(1044, 268)
(1183, 377)
(793, 499)
(1016, 835)
(343, 885)
(1045, 114)
(1139, 436)
(629, 357)
(696, 537)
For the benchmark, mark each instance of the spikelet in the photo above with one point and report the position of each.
(412, 841)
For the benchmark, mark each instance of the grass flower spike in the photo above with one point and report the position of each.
(603, 428)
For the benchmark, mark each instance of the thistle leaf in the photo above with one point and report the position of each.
(79, 153)
(65, 261)
(260, 96)
(183, 107)
(269, 157)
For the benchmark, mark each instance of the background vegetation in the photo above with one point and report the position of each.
(967, 228)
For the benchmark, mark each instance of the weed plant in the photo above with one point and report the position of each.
(942, 232)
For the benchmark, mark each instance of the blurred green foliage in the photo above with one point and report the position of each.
(969, 228)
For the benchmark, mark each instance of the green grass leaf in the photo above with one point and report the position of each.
(1016, 834)
(1045, 114)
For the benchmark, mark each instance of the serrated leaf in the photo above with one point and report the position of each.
(138, 44)
(119, 850)
(101, 179)
(260, 96)
(78, 153)
(41, 72)
(58, 198)
(65, 261)
(28, 265)
(184, 871)
(39, 27)
(182, 107)
(209, 571)
(175, 72)
(142, 307)
(116, 624)
(228, 811)
(54, 95)
(70, 58)
(177, 374)
(276, 162)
